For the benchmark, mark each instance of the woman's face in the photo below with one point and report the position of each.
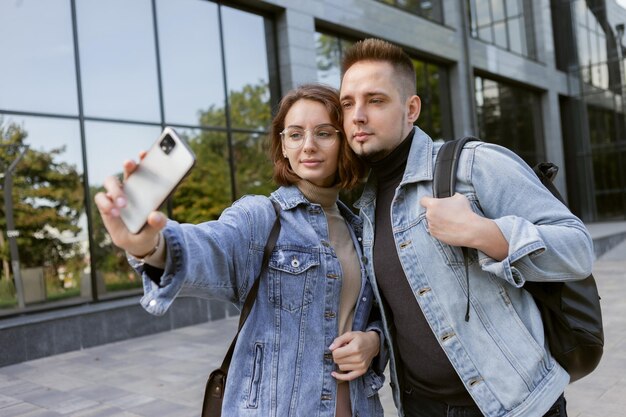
(311, 142)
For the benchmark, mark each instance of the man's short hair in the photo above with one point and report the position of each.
(372, 49)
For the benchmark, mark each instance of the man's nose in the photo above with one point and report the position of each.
(359, 116)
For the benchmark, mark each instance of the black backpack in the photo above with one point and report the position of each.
(570, 310)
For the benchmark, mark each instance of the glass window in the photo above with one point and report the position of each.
(505, 23)
(48, 208)
(516, 41)
(499, 33)
(429, 9)
(329, 51)
(497, 10)
(508, 116)
(118, 59)
(254, 170)
(38, 71)
(191, 62)
(247, 70)
(483, 13)
(108, 146)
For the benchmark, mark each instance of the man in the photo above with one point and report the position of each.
(462, 348)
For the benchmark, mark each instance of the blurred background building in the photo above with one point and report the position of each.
(86, 84)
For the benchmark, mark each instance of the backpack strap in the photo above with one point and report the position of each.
(444, 179)
(444, 183)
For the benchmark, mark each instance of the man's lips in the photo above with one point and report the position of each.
(360, 136)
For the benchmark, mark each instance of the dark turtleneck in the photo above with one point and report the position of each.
(423, 365)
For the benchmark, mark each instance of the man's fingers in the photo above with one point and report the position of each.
(341, 340)
(347, 376)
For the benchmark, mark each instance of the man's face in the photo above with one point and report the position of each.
(376, 116)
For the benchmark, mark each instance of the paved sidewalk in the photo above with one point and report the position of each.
(163, 375)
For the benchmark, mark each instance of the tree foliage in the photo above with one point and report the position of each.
(207, 191)
(47, 202)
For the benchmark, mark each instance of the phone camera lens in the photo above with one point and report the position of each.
(167, 144)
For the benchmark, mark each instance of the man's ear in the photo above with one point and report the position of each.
(413, 106)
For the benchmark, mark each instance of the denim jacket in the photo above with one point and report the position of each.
(281, 364)
(499, 354)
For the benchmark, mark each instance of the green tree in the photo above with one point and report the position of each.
(47, 202)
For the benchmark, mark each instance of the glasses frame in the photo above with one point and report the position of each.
(311, 133)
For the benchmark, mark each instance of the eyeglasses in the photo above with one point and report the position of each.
(323, 135)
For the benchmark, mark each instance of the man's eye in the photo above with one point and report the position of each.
(346, 105)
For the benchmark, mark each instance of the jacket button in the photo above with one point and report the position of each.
(329, 315)
(324, 243)
(295, 263)
(152, 303)
(364, 260)
(332, 276)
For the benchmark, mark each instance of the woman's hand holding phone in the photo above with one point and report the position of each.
(111, 202)
(129, 211)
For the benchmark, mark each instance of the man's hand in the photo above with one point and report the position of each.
(452, 221)
(353, 353)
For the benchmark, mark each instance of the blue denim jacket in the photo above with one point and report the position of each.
(281, 364)
(499, 354)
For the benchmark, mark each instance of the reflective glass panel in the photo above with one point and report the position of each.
(117, 59)
(483, 15)
(206, 191)
(191, 62)
(499, 32)
(508, 118)
(328, 51)
(48, 211)
(513, 8)
(108, 146)
(516, 41)
(254, 170)
(37, 73)
(497, 10)
(246, 68)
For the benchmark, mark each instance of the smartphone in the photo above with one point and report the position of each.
(165, 165)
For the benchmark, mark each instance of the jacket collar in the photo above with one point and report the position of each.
(419, 167)
(289, 197)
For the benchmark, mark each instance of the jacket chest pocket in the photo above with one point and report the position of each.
(292, 277)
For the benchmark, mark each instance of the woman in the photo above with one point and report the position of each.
(307, 333)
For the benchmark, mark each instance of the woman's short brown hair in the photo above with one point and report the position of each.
(350, 169)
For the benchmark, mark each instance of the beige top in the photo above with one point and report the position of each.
(340, 240)
(342, 243)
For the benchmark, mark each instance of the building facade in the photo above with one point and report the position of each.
(86, 84)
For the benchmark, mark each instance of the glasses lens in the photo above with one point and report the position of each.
(294, 137)
(323, 136)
